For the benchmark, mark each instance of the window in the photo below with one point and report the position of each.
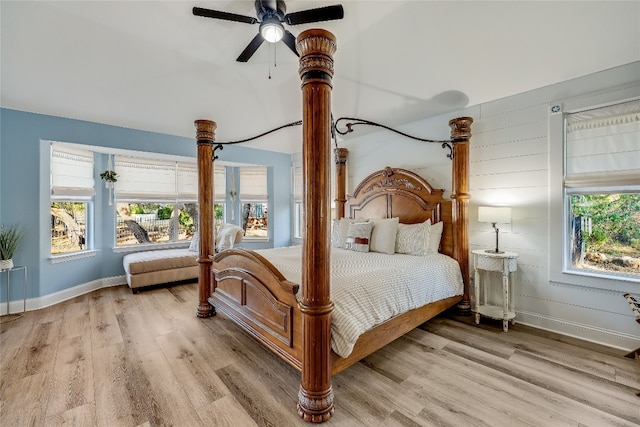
(602, 191)
(254, 201)
(72, 191)
(156, 201)
(220, 188)
(298, 205)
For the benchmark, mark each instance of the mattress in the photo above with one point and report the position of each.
(370, 288)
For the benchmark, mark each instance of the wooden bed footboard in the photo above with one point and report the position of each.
(255, 295)
(251, 291)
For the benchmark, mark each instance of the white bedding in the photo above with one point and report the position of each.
(369, 288)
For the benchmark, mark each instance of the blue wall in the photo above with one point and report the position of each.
(24, 192)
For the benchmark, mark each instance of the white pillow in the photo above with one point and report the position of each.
(358, 236)
(413, 239)
(435, 234)
(383, 235)
(340, 228)
(227, 235)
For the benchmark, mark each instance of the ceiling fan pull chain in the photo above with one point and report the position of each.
(269, 61)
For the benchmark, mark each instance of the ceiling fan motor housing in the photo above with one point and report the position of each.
(265, 11)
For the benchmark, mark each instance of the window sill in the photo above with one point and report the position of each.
(152, 247)
(56, 259)
(255, 240)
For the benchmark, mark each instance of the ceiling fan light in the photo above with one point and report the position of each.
(272, 31)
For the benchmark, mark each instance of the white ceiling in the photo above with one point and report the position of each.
(152, 65)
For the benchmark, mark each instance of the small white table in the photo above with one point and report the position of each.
(506, 263)
(24, 285)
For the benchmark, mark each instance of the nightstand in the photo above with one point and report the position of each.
(506, 263)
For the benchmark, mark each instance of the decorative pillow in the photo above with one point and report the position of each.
(413, 239)
(358, 236)
(435, 234)
(227, 236)
(195, 242)
(383, 235)
(342, 228)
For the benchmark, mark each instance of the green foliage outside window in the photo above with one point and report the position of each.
(615, 220)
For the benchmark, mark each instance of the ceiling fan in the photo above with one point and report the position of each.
(271, 15)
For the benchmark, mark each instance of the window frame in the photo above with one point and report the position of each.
(176, 201)
(253, 199)
(560, 270)
(87, 199)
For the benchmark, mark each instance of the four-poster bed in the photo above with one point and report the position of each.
(294, 319)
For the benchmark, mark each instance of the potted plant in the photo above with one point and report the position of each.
(11, 237)
(109, 176)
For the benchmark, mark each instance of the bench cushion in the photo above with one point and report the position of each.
(165, 259)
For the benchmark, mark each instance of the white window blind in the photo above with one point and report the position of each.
(187, 181)
(253, 183)
(603, 149)
(220, 183)
(297, 182)
(71, 171)
(150, 179)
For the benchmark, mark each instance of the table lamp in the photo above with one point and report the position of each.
(494, 215)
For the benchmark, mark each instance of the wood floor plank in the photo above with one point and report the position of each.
(24, 401)
(258, 401)
(14, 329)
(136, 332)
(71, 376)
(77, 320)
(385, 392)
(226, 412)
(36, 355)
(79, 416)
(104, 325)
(166, 400)
(192, 370)
(117, 391)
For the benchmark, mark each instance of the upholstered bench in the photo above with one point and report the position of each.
(160, 266)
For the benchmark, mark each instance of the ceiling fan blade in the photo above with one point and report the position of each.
(251, 48)
(208, 13)
(290, 40)
(327, 13)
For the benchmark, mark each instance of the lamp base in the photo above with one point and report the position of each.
(493, 251)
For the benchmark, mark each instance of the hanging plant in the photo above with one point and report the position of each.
(109, 176)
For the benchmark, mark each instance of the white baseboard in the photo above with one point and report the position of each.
(589, 333)
(60, 296)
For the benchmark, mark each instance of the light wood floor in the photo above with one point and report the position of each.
(110, 358)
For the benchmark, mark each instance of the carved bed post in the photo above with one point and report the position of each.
(205, 137)
(315, 397)
(461, 133)
(341, 180)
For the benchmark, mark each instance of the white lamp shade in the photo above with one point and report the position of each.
(494, 215)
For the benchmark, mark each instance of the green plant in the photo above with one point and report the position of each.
(11, 236)
(109, 176)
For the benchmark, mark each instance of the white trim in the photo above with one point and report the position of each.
(55, 259)
(15, 306)
(580, 331)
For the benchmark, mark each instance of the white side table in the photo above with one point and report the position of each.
(506, 263)
(9, 272)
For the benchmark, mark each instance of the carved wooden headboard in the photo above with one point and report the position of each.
(395, 192)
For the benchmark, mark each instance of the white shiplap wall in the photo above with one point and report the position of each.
(509, 165)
